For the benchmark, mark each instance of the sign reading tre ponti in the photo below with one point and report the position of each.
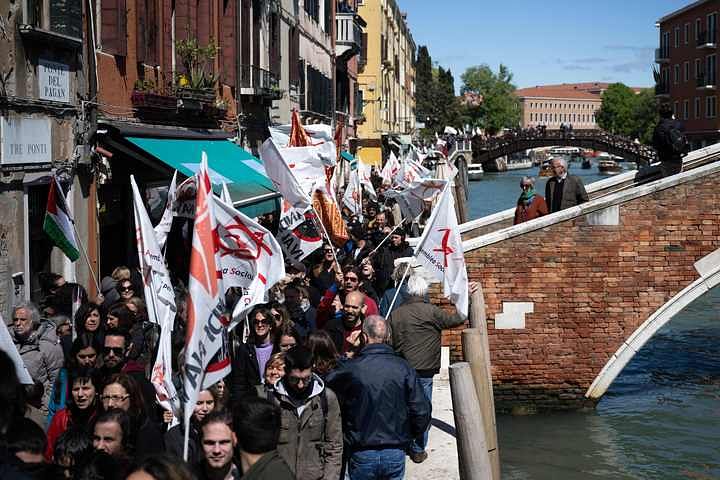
(25, 140)
(53, 81)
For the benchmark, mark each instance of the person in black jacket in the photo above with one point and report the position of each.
(384, 262)
(250, 358)
(670, 158)
(382, 403)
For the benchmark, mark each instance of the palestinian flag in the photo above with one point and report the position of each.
(58, 224)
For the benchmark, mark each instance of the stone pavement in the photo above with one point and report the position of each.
(442, 461)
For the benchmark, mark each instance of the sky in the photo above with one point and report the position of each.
(543, 41)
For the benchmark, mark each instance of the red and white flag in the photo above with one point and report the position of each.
(391, 168)
(162, 229)
(207, 322)
(353, 194)
(365, 173)
(280, 173)
(440, 251)
(413, 197)
(159, 299)
(297, 233)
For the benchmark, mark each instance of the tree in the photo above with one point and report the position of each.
(627, 113)
(447, 106)
(500, 107)
(424, 83)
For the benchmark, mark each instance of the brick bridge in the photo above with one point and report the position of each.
(572, 296)
(487, 149)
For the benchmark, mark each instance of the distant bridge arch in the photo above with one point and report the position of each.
(488, 149)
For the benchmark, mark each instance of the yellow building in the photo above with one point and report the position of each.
(386, 79)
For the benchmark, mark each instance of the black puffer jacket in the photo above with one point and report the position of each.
(382, 402)
(385, 263)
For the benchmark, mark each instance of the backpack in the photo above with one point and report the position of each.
(678, 142)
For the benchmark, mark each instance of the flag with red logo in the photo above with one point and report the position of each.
(390, 170)
(297, 233)
(159, 299)
(207, 322)
(413, 198)
(353, 194)
(282, 176)
(440, 251)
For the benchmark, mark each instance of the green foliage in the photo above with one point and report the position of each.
(627, 113)
(425, 86)
(197, 63)
(500, 107)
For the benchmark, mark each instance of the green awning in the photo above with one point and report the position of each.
(347, 156)
(250, 188)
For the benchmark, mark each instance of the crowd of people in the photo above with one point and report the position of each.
(331, 379)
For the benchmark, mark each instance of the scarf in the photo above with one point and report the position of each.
(527, 196)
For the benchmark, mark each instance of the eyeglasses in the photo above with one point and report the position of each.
(292, 380)
(264, 321)
(114, 350)
(124, 289)
(114, 398)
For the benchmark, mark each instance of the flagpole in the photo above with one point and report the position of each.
(397, 290)
(386, 238)
(327, 236)
(85, 255)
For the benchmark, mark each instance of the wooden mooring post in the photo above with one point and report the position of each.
(473, 458)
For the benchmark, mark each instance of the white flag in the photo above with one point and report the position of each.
(308, 164)
(365, 173)
(159, 299)
(225, 194)
(412, 198)
(162, 229)
(280, 173)
(391, 168)
(7, 345)
(206, 324)
(440, 251)
(353, 194)
(297, 233)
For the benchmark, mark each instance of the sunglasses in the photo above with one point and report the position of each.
(296, 380)
(262, 322)
(114, 350)
(124, 289)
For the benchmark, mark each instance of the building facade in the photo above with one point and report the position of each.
(45, 126)
(687, 69)
(386, 78)
(569, 103)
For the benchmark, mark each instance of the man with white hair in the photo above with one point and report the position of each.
(563, 190)
(382, 403)
(417, 327)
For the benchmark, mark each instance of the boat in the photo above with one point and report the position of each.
(586, 163)
(519, 163)
(546, 169)
(609, 166)
(475, 171)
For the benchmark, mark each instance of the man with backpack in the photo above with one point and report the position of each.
(311, 439)
(670, 142)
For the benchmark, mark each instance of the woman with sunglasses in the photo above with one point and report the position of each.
(530, 205)
(123, 392)
(84, 353)
(82, 407)
(250, 358)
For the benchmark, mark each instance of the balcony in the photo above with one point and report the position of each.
(707, 39)
(662, 55)
(349, 35)
(706, 82)
(259, 82)
(662, 90)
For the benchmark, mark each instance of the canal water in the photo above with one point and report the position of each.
(660, 419)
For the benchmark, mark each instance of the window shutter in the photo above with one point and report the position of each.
(113, 29)
(227, 43)
(147, 31)
(66, 17)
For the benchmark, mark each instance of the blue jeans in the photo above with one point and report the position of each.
(418, 445)
(387, 464)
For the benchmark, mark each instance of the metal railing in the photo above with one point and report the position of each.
(707, 38)
(259, 79)
(662, 89)
(705, 81)
(662, 54)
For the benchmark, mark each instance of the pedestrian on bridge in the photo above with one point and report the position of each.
(670, 142)
(563, 190)
(530, 205)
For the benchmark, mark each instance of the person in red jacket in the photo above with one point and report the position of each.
(81, 409)
(530, 205)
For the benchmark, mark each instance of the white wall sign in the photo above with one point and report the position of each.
(25, 140)
(53, 81)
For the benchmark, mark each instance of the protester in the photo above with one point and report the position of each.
(119, 317)
(325, 355)
(89, 319)
(73, 451)
(160, 467)
(401, 269)
(384, 261)
(416, 335)
(175, 437)
(61, 294)
(563, 190)
(530, 205)
(345, 331)
(312, 443)
(257, 427)
(250, 358)
(218, 445)
(670, 142)
(286, 337)
(301, 313)
(26, 443)
(383, 406)
(111, 435)
(37, 344)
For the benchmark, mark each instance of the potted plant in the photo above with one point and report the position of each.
(197, 82)
(146, 95)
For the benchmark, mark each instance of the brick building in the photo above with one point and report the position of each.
(569, 103)
(688, 68)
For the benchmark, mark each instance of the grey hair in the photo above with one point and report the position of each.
(417, 286)
(376, 328)
(530, 180)
(562, 161)
(399, 271)
(32, 310)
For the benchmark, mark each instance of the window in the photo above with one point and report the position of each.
(697, 68)
(686, 76)
(677, 37)
(312, 8)
(113, 27)
(687, 33)
(56, 16)
(686, 107)
(698, 28)
(711, 27)
(697, 107)
(676, 74)
(710, 65)
(710, 107)
(676, 107)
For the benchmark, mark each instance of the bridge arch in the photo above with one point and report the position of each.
(709, 269)
(571, 296)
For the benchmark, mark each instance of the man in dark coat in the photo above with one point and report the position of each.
(382, 403)
(670, 159)
(563, 190)
(384, 262)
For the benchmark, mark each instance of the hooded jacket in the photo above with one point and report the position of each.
(310, 441)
